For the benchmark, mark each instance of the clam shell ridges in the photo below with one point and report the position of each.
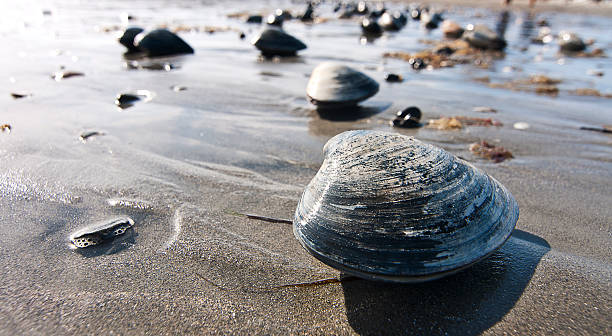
(336, 84)
(387, 206)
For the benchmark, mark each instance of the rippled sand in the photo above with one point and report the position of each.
(242, 138)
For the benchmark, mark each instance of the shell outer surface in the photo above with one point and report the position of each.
(333, 84)
(162, 42)
(101, 232)
(276, 42)
(388, 207)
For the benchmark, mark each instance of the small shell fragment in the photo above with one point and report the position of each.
(101, 232)
(521, 125)
(86, 135)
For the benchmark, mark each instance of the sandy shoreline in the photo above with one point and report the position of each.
(243, 138)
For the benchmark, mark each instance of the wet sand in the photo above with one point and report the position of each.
(243, 138)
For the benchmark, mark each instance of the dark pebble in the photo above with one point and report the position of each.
(408, 118)
(254, 19)
(393, 78)
(417, 63)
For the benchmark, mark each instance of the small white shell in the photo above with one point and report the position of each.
(333, 84)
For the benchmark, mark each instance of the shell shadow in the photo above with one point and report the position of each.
(466, 303)
(329, 122)
(116, 245)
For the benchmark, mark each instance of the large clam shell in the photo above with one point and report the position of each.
(388, 207)
(272, 42)
(333, 84)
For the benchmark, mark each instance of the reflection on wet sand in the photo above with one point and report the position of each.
(466, 303)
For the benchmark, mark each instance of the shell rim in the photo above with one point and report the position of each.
(397, 278)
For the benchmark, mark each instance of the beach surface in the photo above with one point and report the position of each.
(240, 137)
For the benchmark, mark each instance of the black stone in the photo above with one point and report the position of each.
(254, 19)
(162, 42)
(417, 63)
(408, 118)
(393, 78)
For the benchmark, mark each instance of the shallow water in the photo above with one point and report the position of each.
(242, 137)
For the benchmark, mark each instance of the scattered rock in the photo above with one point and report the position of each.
(481, 37)
(6, 128)
(494, 153)
(451, 29)
(370, 27)
(159, 42)
(254, 19)
(125, 100)
(408, 118)
(60, 75)
(274, 42)
(393, 78)
(430, 20)
(570, 42)
(391, 21)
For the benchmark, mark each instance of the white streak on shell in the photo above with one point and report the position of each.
(422, 213)
(336, 84)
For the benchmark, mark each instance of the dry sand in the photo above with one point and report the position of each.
(243, 138)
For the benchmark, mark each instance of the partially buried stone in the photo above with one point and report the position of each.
(370, 27)
(408, 118)
(393, 78)
(417, 63)
(570, 42)
(274, 42)
(275, 20)
(482, 37)
(254, 19)
(159, 42)
(451, 29)
(101, 232)
(125, 100)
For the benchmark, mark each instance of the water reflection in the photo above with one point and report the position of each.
(502, 23)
